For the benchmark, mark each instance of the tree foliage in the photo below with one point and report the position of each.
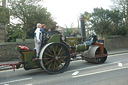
(13, 32)
(87, 17)
(29, 13)
(108, 22)
(121, 5)
(4, 15)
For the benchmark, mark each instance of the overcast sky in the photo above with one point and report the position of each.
(66, 12)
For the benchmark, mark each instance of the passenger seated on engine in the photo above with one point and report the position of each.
(92, 38)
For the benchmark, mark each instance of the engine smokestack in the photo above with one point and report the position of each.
(83, 27)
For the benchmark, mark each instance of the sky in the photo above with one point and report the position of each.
(67, 12)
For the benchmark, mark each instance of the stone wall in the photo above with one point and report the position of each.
(117, 42)
(8, 50)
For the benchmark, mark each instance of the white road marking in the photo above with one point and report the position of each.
(91, 67)
(6, 84)
(28, 84)
(120, 64)
(75, 73)
(99, 72)
(77, 60)
(16, 80)
(11, 70)
(111, 55)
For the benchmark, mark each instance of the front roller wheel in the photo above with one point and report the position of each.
(55, 57)
(100, 59)
(97, 60)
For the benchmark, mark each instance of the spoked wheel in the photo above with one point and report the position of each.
(55, 57)
(97, 60)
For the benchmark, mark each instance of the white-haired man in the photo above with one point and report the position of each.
(37, 40)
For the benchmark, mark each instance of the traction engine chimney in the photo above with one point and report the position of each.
(83, 27)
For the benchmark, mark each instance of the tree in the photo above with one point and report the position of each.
(13, 32)
(108, 22)
(4, 15)
(29, 12)
(100, 21)
(121, 5)
(87, 17)
(117, 22)
(41, 16)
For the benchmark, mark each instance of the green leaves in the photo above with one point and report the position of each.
(108, 22)
(29, 13)
(4, 15)
(13, 32)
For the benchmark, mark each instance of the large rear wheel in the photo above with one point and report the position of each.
(55, 57)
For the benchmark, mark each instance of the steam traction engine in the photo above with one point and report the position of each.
(56, 53)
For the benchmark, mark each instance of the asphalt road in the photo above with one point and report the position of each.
(113, 72)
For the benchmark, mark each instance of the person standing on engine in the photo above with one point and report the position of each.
(43, 27)
(38, 39)
(44, 33)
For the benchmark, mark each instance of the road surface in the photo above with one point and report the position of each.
(113, 72)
